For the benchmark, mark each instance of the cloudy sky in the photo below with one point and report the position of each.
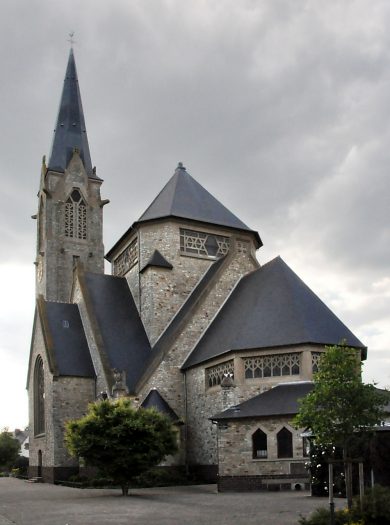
(281, 109)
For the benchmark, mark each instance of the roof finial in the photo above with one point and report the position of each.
(70, 39)
(180, 166)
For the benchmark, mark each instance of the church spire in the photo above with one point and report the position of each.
(70, 131)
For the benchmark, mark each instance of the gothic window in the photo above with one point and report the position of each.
(39, 397)
(215, 374)
(203, 244)
(127, 259)
(285, 443)
(259, 445)
(272, 365)
(76, 216)
(315, 361)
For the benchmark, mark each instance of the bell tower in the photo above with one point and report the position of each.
(70, 208)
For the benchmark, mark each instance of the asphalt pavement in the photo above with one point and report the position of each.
(23, 503)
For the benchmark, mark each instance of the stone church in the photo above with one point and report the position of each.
(188, 322)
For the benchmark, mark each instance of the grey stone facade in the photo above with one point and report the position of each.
(57, 253)
(65, 398)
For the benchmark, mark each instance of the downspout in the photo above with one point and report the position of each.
(186, 425)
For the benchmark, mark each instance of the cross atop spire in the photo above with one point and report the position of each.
(70, 131)
(71, 39)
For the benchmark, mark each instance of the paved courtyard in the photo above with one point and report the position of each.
(23, 503)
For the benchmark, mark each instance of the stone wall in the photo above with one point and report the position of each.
(56, 253)
(237, 470)
(167, 376)
(65, 398)
(204, 402)
(159, 293)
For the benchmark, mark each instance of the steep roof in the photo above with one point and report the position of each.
(271, 307)
(278, 401)
(125, 341)
(155, 400)
(184, 198)
(69, 345)
(70, 131)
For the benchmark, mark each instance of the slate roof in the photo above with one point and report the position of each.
(271, 307)
(70, 348)
(155, 400)
(184, 198)
(282, 400)
(125, 341)
(157, 260)
(70, 130)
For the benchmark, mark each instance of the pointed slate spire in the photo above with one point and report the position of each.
(70, 131)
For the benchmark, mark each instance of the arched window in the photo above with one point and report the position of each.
(285, 443)
(75, 216)
(39, 397)
(259, 444)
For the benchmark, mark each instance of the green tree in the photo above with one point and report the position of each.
(120, 441)
(341, 409)
(9, 449)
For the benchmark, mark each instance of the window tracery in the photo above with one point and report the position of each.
(76, 216)
(315, 361)
(203, 244)
(215, 374)
(39, 397)
(272, 365)
(127, 259)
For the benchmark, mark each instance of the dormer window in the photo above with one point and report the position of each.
(202, 244)
(76, 216)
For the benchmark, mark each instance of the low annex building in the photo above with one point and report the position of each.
(188, 322)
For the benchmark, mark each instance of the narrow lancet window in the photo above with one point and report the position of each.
(285, 443)
(76, 216)
(259, 444)
(39, 397)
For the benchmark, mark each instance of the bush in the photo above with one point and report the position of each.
(375, 511)
(161, 477)
(21, 464)
(376, 507)
(321, 516)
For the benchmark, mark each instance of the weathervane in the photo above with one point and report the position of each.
(70, 39)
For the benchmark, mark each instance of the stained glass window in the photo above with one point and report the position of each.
(39, 397)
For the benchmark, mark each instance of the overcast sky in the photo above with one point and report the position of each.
(281, 109)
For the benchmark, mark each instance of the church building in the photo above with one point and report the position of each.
(188, 322)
